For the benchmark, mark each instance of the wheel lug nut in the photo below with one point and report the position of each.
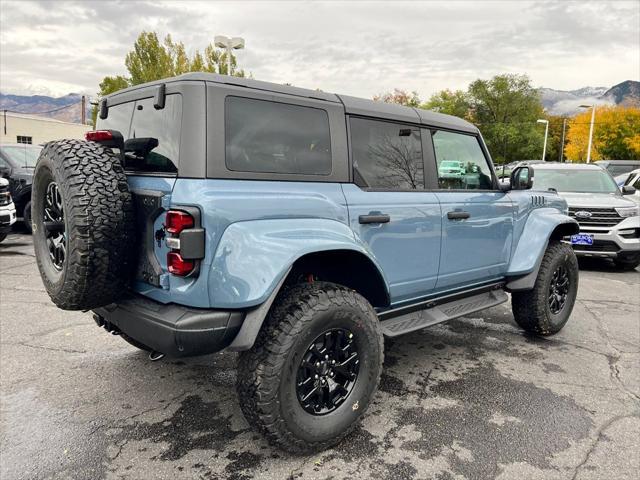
(316, 377)
(333, 362)
(351, 335)
(326, 357)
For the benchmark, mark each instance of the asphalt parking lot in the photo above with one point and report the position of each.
(474, 398)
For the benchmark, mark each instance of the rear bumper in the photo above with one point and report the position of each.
(172, 329)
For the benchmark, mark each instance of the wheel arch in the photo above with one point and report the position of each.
(543, 225)
(349, 268)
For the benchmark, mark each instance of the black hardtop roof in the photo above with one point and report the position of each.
(352, 105)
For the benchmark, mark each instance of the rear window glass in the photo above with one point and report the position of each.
(271, 137)
(152, 137)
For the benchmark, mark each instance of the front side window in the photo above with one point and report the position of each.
(386, 155)
(23, 156)
(270, 137)
(461, 162)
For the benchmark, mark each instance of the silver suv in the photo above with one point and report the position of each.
(609, 222)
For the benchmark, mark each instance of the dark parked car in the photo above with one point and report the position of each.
(17, 161)
(618, 167)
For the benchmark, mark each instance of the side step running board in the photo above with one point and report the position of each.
(420, 319)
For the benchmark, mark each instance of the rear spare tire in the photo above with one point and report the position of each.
(83, 225)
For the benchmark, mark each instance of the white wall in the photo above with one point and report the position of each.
(41, 129)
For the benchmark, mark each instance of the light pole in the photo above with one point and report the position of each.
(233, 43)
(593, 117)
(546, 134)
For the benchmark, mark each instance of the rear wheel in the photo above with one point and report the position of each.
(546, 308)
(82, 224)
(313, 369)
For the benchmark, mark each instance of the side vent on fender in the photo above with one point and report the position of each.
(538, 200)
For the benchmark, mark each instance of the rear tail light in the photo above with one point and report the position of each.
(177, 221)
(185, 238)
(178, 265)
(99, 135)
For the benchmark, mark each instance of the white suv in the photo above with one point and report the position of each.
(609, 220)
(7, 209)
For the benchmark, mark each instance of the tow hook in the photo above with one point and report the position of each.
(155, 356)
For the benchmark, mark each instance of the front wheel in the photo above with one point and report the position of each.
(546, 308)
(313, 369)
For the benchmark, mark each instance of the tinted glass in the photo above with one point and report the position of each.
(118, 118)
(152, 137)
(461, 163)
(271, 137)
(573, 180)
(22, 156)
(619, 169)
(386, 155)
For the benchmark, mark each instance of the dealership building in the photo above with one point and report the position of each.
(25, 128)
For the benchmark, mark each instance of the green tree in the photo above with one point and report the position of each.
(450, 102)
(506, 109)
(150, 59)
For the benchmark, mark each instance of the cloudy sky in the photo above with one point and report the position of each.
(358, 48)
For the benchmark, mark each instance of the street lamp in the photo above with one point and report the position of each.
(546, 133)
(233, 43)
(593, 116)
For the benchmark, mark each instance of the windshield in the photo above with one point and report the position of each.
(570, 180)
(24, 156)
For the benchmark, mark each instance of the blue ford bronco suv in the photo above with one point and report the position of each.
(296, 227)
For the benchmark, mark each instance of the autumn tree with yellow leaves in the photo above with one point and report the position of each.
(616, 135)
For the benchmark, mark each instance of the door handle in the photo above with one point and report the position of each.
(458, 215)
(374, 218)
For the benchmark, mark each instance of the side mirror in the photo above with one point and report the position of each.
(522, 178)
(628, 190)
(5, 172)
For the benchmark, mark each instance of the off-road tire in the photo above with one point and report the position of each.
(98, 222)
(627, 265)
(26, 217)
(267, 372)
(531, 308)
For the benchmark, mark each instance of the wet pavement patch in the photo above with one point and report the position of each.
(537, 423)
(195, 425)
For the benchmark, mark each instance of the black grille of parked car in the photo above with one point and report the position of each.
(598, 246)
(5, 196)
(595, 217)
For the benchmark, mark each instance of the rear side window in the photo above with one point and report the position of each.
(386, 155)
(461, 163)
(271, 137)
(152, 137)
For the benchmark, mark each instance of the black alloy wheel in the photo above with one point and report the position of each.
(559, 289)
(328, 372)
(54, 225)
